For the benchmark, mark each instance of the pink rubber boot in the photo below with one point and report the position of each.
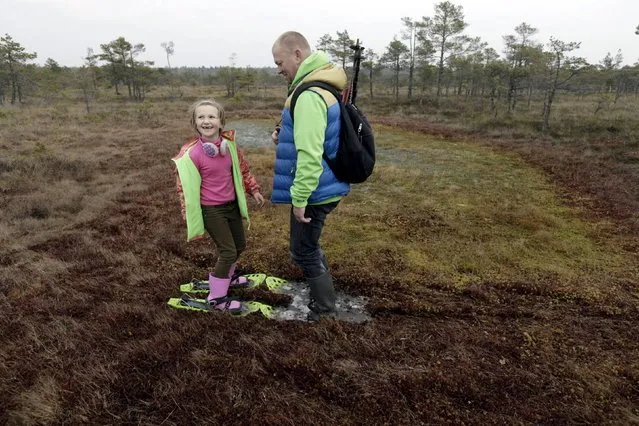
(240, 280)
(218, 295)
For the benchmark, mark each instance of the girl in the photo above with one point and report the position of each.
(212, 176)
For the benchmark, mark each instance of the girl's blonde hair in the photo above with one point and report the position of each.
(210, 102)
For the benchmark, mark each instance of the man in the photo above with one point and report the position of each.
(302, 178)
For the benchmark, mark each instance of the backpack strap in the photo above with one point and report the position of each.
(328, 87)
(302, 87)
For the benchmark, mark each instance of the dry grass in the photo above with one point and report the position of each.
(501, 292)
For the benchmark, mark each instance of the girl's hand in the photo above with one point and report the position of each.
(258, 198)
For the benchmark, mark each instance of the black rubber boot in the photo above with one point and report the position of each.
(322, 297)
(324, 259)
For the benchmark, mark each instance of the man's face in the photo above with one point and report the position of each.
(287, 61)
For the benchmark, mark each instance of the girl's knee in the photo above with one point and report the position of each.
(228, 256)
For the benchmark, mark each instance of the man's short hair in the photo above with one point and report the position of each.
(292, 40)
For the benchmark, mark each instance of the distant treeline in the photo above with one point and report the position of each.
(432, 58)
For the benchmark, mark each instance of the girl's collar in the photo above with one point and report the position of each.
(229, 134)
(217, 141)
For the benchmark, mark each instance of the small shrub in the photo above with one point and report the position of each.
(144, 113)
(97, 117)
(6, 164)
(60, 113)
(39, 212)
(6, 113)
(40, 150)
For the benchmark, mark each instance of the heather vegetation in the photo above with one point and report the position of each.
(497, 248)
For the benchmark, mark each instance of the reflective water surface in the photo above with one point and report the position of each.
(349, 308)
(252, 133)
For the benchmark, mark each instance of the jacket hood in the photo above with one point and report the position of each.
(317, 67)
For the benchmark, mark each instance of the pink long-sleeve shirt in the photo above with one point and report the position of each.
(217, 177)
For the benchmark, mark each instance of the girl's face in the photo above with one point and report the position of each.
(207, 122)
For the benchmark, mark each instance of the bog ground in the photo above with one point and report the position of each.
(501, 278)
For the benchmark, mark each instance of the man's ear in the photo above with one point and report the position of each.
(298, 55)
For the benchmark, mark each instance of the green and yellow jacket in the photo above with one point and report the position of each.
(188, 181)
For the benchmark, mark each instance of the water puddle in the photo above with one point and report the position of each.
(253, 133)
(349, 308)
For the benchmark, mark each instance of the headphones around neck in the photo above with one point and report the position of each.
(211, 150)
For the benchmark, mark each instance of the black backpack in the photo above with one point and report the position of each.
(355, 157)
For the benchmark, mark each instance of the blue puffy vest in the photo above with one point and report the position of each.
(286, 162)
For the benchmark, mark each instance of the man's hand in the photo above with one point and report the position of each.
(298, 212)
(258, 198)
(275, 136)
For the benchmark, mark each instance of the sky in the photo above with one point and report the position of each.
(208, 33)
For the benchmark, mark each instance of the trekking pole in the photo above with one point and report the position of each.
(357, 59)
